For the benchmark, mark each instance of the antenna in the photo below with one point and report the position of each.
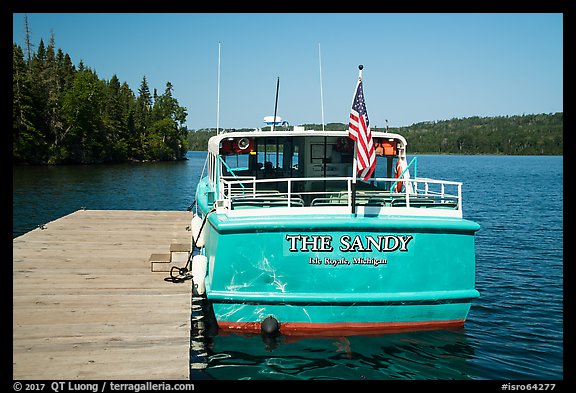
(321, 95)
(276, 104)
(218, 104)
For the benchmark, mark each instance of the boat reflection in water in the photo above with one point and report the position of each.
(443, 354)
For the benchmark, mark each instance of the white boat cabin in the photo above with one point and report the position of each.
(312, 171)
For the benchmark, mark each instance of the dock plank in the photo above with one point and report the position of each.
(87, 306)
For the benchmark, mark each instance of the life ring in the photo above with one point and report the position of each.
(397, 174)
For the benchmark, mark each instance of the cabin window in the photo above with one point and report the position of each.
(329, 157)
(236, 163)
(329, 153)
(277, 157)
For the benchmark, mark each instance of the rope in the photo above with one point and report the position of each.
(184, 272)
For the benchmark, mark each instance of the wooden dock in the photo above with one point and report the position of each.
(86, 304)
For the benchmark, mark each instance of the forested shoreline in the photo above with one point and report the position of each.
(541, 134)
(63, 114)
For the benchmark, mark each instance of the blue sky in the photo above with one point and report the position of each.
(417, 67)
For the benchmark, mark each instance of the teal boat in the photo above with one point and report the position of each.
(289, 241)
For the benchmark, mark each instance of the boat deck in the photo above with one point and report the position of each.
(439, 197)
(86, 304)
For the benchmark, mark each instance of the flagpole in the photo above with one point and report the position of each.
(354, 180)
(355, 161)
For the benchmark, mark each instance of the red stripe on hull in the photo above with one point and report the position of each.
(341, 329)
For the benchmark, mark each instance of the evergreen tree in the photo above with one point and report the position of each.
(142, 120)
(27, 141)
(81, 109)
(168, 136)
(27, 40)
(66, 69)
(112, 121)
(128, 104)
(39, 93)
(52, 85)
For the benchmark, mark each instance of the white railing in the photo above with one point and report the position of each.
(248, 192)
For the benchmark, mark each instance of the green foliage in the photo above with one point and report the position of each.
(27, 140)
(540, 134)
(63, 114)
(198, 139)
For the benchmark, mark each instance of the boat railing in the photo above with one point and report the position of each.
(240, 192)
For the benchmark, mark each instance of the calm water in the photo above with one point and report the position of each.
(514, 330)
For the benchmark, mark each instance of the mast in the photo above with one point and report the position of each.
(321, 94)
(218, 103)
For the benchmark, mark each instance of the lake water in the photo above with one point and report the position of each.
(514, 331)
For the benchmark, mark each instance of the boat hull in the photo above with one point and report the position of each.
(353, 319)
(340, 274)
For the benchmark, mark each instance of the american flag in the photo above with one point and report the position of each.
(359, 131)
